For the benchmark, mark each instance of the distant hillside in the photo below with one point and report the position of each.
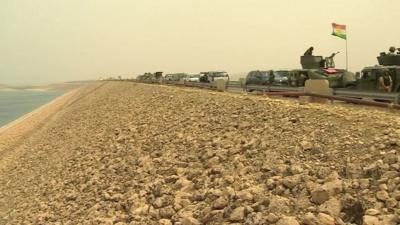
(4, 87)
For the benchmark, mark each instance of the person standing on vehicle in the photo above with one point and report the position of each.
(309, 51)
(385, 82)
(392, 51)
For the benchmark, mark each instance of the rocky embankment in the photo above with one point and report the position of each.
(141, 154)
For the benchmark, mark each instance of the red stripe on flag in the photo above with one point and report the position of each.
(338, 26)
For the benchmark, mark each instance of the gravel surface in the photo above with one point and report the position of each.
(126, 153)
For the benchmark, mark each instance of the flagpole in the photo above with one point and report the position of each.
(347, 56)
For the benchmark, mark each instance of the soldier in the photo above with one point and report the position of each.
(309, 51)
(329, 62)
(385, 82)
(392, 51)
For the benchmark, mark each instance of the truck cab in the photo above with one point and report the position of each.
(369, 78)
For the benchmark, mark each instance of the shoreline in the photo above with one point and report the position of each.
(29, 114)
(11, 132)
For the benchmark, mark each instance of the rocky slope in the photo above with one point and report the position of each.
(141, 154)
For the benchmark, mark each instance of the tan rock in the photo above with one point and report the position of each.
(383, 187)
(371, 220)
(333, 176)
(220, 203)
(309, 219)
(396, 195)
(332, 207)
(279, 204)
(245, 195)
(372, 212)
(188, 220)
(364, 183)
(165, 222)
(237, 214)
(325, 219)
(291, 181)
(333, 187)
(158, 203)
(390, 219)
(320, 195)
(272, 218)
(287, 220)
(382, 195)
(306, 145)
(391, 203)
(296, 169)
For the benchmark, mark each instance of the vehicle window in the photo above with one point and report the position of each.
(366, 75)
(280, 74)
(263, 74)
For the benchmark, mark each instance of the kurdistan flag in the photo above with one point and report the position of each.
(339, 30)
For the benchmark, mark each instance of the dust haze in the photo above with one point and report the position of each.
(51, 41)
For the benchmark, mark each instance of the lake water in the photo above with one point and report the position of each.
(14, 104)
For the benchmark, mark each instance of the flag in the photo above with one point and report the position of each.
(339, 30)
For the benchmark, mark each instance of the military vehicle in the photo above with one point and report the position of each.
(150, 76)
(259, 77)
(281, 78)
(193, 77)
(175, 76)
(369, 77)
(316, 67)
(267, 77)
(210, 76)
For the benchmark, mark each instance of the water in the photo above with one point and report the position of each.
(14, 104)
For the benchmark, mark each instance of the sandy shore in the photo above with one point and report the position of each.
(126, 153)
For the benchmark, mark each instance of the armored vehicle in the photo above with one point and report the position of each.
(337, 78)
(317, 67)
(369, 77)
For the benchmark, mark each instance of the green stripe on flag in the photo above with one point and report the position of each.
(340, 34)
(339, 30)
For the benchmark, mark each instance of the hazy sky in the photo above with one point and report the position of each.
(45, 41)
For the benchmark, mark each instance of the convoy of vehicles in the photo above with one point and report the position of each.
(205, 77)
(313, 67)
